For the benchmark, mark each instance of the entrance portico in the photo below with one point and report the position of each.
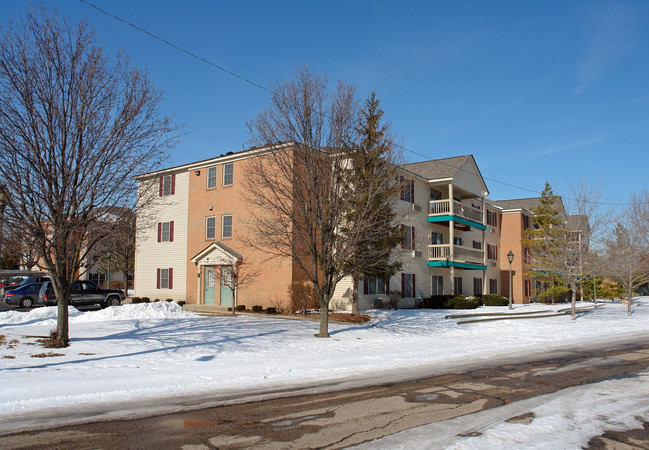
(214, 272)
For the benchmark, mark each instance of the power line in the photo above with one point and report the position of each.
(270, 91)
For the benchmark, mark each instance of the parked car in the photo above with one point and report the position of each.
(25, 295)
(83, 293)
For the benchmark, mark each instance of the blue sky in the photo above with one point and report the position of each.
(536, 91)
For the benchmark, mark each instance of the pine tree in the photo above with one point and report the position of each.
(544, 243)
(371, 159)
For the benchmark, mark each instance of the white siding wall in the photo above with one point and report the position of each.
(151, 254)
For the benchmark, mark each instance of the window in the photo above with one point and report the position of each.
(493, 286)
(211, 177)
(166, 231)
(228, 174)
(527, 288)
(492, 218)
(165, 279)
(409, 241)
(477, 286)
(407, 285)
(435, 194)
(437, 285)
(167, 185)
(436, 238)
(407, 192)
(526, 255)
(477, 245)
(526, 222)
(226, 230)
(375, 286)
(457, 284)
(210, 227)
(457, 241)
(492, 251)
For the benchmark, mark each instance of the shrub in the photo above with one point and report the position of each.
(146, 299)
(181, 302)
(271, 310)
(393, 300)
(302, 296)
(257, 308)
(169, 300)
(241, 307)
(435, 302)
(463, 302)
(156, 300)
(494, 300)
(136, 300)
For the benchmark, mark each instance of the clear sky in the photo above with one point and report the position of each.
(536, 91)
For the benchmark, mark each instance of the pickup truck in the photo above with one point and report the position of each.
(83, 293)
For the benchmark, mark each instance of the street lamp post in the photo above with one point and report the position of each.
(510, 257)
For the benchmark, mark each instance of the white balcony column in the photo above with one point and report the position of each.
(484, 246)
(451, 236)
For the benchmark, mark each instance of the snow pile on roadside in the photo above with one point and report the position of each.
(139, 311)
(38, 314)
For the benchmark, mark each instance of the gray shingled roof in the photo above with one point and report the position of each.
(516, 203)
(437, 168)
(524, 203)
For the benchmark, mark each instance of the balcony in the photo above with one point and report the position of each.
(440, 211)
(470, 258)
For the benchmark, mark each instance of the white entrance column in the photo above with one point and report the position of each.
(451, 236)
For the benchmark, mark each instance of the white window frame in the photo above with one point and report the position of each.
(165, 235)
(228, 172)
(164, 278)
(437, 284)
(213, 227)
(166, 185)
(211, 178)
(408, 287)
(223, 226)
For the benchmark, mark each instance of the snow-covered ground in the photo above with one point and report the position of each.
(565, 419)
(146, 351)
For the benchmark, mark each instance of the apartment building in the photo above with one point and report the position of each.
(452, 236)
(193, 233)
(195, 230)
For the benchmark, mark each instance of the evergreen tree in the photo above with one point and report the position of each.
(372, 162)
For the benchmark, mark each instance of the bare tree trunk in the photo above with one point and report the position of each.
(573, 315)
(355, 280)
(324, 319)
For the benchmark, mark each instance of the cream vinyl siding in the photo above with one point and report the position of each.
(151, 254)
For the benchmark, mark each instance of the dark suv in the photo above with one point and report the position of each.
(83, 293)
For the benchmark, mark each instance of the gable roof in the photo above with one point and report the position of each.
(528, 204)
(437, 169)
(220, 254)
(518, 203)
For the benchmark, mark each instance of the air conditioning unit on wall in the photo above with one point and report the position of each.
(415, 207)
(492, 230)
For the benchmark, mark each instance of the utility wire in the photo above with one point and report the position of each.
(270, 91)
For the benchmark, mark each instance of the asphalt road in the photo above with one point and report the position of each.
(341, 418)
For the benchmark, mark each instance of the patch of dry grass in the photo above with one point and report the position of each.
(46, 355)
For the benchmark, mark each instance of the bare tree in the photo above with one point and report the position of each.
(236, 276)
(563, 247)
(116, 251)
(298, 190)
(627, 257)
(75, 128)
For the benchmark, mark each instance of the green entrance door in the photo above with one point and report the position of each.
(226, 286)
(209, 285)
